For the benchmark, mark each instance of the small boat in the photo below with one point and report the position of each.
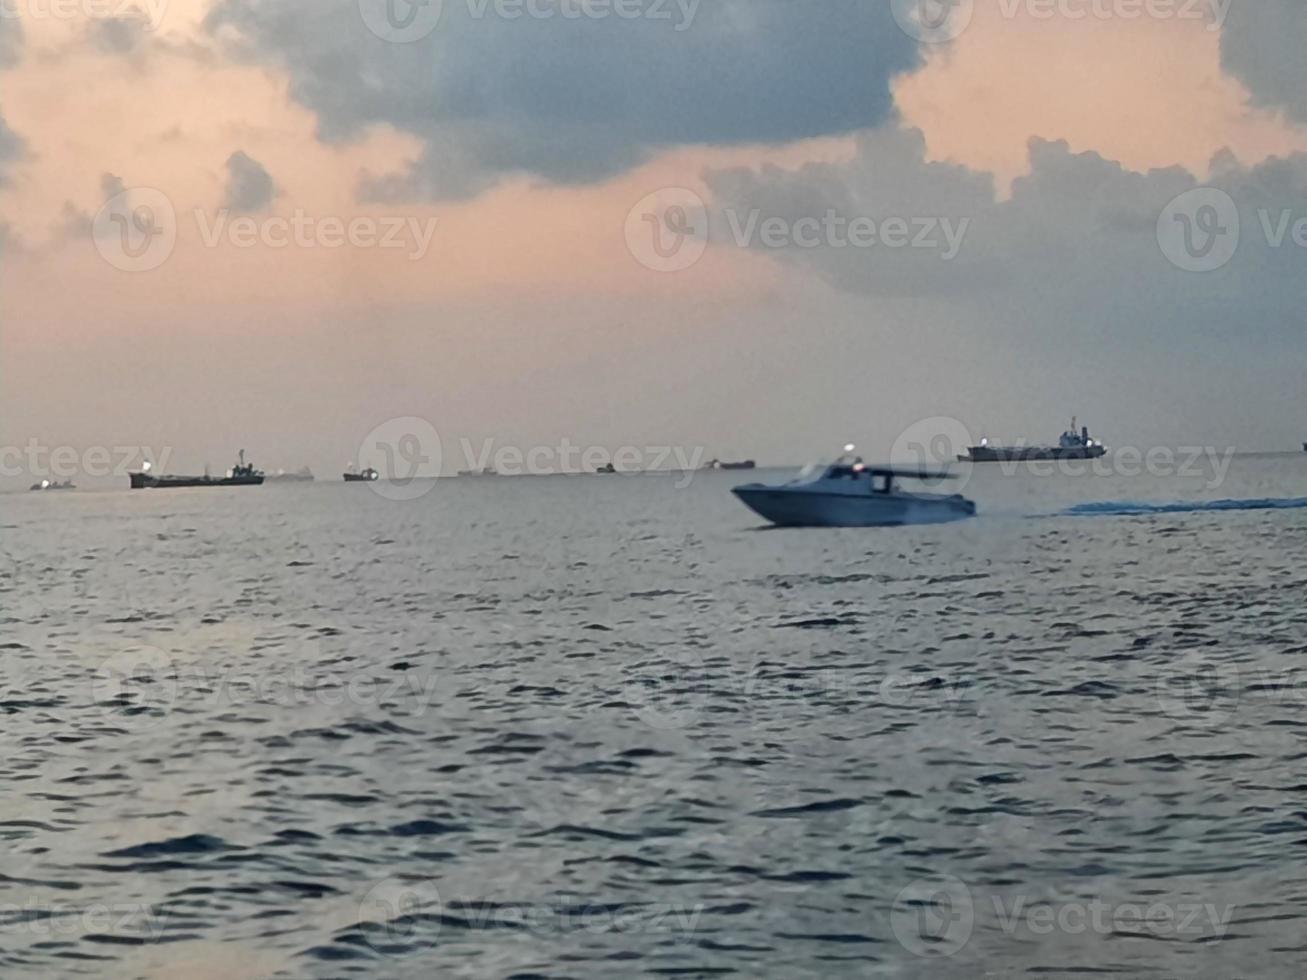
(48, 485)
(488, 471)
(607, 470)
(241, 475)
(717, 464)
(367, 476)
(849, 493)
(1072, 445)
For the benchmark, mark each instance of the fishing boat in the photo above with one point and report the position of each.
(849, 493)
(46, 485)
(368, 475)
(241, 475)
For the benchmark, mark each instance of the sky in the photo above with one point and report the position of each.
(735, 228)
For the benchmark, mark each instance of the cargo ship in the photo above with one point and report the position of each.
(241, 475)
(1072, 445)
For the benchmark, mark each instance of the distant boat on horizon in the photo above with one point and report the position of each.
(45, 485)
(241, 475)
(1072, 445)
(717, 464)
(368, 475)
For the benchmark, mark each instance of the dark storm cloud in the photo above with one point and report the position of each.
(576, 100)
(11, 148)
(1075, 250)
(250, 187)
(123, 35)
(11, 41)
(1262, 44)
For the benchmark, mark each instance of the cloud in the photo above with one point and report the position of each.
(124, 35)
(250, 187)
(11, 41)
(1262, 44)
(577, 100)
(11, 148)
(1074, 253)
(111, 185)
(73, 224)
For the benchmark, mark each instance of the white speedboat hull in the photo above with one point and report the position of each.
(812, 507)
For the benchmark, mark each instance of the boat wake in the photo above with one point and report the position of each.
(1128, 508)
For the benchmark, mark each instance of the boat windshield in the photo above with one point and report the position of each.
(843, 468)
(810, 472)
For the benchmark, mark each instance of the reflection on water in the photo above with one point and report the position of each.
(587, 726)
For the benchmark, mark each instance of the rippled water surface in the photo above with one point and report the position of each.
(601, 727)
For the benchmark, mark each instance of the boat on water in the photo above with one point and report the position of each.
(717, 464)
(241, 475)
(368, 475)
(45, 485)
(607, 470)
(488, 471)
(1072, 445)
(849, 493)
(304, 475)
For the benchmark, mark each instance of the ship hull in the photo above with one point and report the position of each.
(804, 508)
(1021, 454)
(144, 481)
(359, 478)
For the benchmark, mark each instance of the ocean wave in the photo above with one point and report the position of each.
(1137, 508)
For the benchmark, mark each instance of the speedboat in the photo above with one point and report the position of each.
(849, 493)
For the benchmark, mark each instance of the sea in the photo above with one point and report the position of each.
(613, 726)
